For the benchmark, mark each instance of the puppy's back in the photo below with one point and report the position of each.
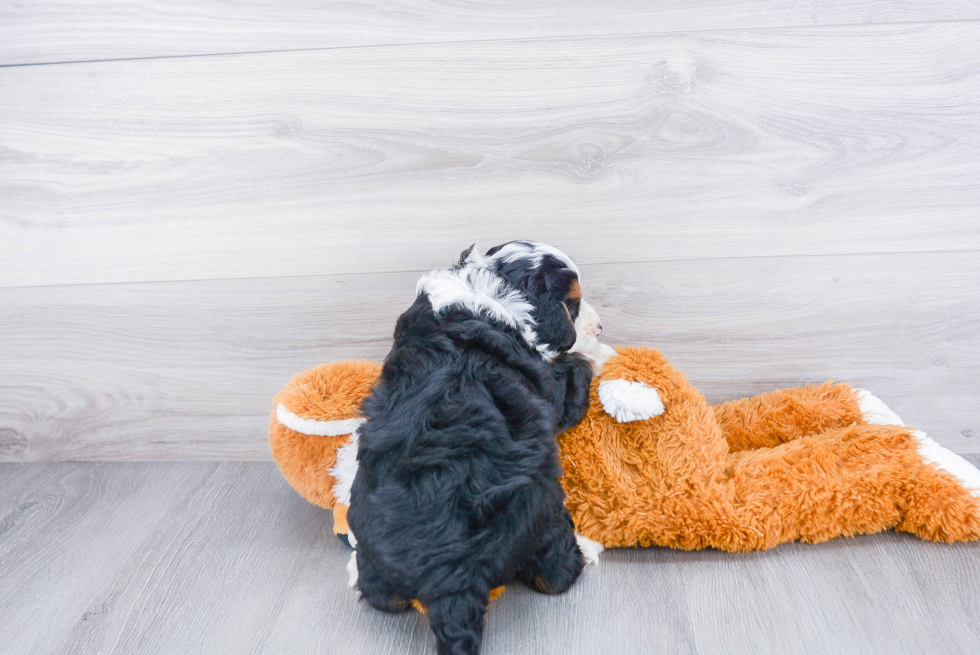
(458, 468)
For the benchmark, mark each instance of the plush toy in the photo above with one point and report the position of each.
(653, 463)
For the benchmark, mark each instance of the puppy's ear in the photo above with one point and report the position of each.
(466, 255)
(555, 325)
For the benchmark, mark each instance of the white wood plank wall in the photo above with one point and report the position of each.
(772, 192)
(64, 30)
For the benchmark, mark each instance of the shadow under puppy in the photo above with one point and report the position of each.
(457, 487)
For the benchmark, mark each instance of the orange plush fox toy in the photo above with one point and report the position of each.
(653, 463)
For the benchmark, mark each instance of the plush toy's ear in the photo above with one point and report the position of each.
(629, 401)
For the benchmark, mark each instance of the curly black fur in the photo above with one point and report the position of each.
(457, 490)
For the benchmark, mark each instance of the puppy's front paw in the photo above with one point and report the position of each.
(352, 571)
(590, 549)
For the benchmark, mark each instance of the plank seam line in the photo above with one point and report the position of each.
(509, 40)
(422, 271)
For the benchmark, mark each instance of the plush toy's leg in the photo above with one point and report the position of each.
(937, 510)
(779, 416)
(873, 410)
(859, 479)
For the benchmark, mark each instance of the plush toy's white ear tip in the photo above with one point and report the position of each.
(629, 401)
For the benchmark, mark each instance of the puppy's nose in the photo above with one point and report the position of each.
(598, 329)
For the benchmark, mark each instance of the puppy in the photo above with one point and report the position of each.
(457, 486)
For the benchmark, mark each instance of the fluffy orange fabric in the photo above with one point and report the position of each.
(328, 392)
(340, 525)
(779, 416)
(794, 464)
(797, 464)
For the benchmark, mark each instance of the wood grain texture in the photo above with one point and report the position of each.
(647, 148)
(201, 558)
(60, 30)
(186, 370)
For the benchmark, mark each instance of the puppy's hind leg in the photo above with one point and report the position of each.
(374, 589)
(558, 563)
(457, 621)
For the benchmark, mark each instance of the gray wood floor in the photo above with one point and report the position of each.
(226, 558)
(198, 200)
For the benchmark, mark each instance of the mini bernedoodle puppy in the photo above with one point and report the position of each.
(457, 488)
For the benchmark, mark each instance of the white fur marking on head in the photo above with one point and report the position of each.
(314, 427)
(533, 251)
(874, 410)
(590, 549)
(947, 460)
(479, 289)
(629, 401)
(345, 470)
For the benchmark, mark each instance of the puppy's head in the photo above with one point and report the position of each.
(549, 279)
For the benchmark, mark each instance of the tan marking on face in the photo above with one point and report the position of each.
(574, 291)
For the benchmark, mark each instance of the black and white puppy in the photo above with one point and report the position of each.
(457, 486)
